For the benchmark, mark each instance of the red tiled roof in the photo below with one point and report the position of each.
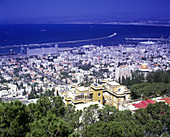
(123, 66)
(167, 100)
(143, 104)
(66, 62)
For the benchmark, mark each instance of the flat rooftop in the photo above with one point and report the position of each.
(85, 105)
(82, 88)
(113, 83)
(96, 85)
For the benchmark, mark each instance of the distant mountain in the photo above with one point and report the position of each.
(109, 19)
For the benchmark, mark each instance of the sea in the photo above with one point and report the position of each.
(22, 34)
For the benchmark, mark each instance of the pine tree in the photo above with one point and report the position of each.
(24, 93)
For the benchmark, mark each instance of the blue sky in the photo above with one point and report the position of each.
(12, 9)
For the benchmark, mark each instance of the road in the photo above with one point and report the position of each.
(45, 75)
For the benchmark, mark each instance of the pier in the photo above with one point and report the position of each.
(147, 39)
(49, 44)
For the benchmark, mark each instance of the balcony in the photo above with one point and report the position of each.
(79, 97)
(88, 98)
(82, 97)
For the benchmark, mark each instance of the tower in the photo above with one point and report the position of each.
(22, 49)
(56, 49)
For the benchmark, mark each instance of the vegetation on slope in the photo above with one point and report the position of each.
(50, 117)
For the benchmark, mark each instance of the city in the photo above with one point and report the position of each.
(84, 68)
(87, 76)
(78, 67)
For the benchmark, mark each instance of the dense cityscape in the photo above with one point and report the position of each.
(91, 78)
(89, 68)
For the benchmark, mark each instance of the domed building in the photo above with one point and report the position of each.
(144, 66)
(144, 69)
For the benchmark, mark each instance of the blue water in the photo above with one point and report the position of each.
(43, 33)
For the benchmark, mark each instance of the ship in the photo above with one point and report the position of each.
(147, 43)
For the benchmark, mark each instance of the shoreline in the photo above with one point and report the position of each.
(140, 24)
(93, 23)
(77, 41)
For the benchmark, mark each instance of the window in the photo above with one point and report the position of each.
(99, 101)
(98, 94)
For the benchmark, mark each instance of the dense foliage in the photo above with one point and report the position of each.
(38, 93)
(136, 78)
(50, 117)
(152, 77)
(152, 121)
(45, 118)
(154, 84)
(149, 89)
(158, 76)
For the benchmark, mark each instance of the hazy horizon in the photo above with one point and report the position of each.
(77, 10)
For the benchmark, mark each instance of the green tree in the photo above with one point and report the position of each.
(14, 119)
(107, 113)
(149, 89)
(73, 117)
(89, 115)
(50, 126)
(34, 112)
(24, 92)
(31, 96)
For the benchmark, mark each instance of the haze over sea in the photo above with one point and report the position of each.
(17, 34)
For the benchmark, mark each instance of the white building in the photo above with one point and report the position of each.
(43, 51)
(122, 71)
(79, 77)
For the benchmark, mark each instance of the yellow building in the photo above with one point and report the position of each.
(78, 95)
(111, 93)
(116, 94)
(97, 92)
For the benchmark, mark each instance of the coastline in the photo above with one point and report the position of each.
(91, 28)
(140, 24)
(94, 23)
(120, 23)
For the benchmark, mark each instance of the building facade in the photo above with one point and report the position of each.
(115, 94)
(42, 51)
(122, 71)
(110, 93)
